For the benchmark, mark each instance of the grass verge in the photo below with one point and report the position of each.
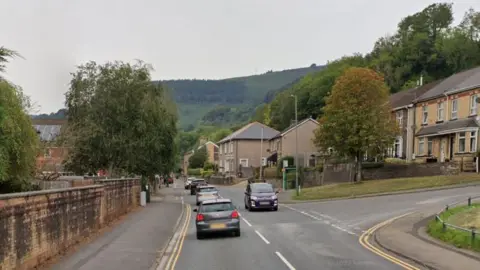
(460, 216)
(383, 186)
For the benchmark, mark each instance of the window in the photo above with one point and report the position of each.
(421, 146)
(400, 118)
(225, 148)
(473, 104)
(220, 149)
(454, 109)
(473, 141)
(429, 146)
(424, 114)
(440, 111)
(461, 142)
(231, 147)
(244, 162)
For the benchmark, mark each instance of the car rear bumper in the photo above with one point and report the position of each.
(231, 225)
(263, 204)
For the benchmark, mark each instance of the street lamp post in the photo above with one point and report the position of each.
(296, 145)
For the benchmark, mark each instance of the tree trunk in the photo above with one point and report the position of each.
(155, 184)
(358, 174)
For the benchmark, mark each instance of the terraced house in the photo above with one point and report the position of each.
(447, 122)
(403, 109)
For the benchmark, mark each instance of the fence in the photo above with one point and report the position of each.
(446, 225)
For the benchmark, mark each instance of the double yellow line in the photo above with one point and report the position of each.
(177, 250)
(366, 244)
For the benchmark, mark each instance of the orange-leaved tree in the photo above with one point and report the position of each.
(357, 117)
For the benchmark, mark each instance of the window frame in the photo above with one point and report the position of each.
(425, 114)
(454, 113)
(421, 146)
(473, 138)
(440, 111)
(429, 146)
(464, 139)
(473, 105)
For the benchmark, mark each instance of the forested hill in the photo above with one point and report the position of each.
(237, 97)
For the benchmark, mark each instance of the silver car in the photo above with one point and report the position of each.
(217, 216)
(206, 193)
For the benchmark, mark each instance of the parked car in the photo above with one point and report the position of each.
(188, 182)
(216, 216)
(195, 183)
(206, 193)
(260, 196)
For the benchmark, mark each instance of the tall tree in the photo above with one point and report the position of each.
(18, 141)
(5, 55)
(118, 119)
(198, 159)
(357, 117)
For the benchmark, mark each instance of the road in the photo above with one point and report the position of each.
(305, 236)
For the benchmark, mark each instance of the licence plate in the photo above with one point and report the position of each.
(264, 203)
(217, 226)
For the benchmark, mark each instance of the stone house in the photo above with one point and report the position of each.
(447, 122)
(403, 110)
(246, 147)
(284, 143)
(212, 154)
(51, 158)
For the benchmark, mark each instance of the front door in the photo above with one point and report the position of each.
(452, 146)
(442, 150)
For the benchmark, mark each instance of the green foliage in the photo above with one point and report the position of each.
(198, 159)
(195, 172)
(118, 120)
(357, 116)
(5, 55)
(208, 166)
(271, 172)
(18, 141)
(197, 97)
(425, 44)
(207, 173)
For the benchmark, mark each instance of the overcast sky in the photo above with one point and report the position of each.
(189, 38)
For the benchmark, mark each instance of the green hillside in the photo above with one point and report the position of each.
(228, 101)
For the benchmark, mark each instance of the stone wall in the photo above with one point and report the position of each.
(35, 226)
(389, 171)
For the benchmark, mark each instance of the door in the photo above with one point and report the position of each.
(452, 146)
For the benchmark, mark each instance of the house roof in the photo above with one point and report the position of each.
(292, 127)
(48, 129)
(448, 127)
(406, 97)
(464, 80)
(209, 142)
(252, 131)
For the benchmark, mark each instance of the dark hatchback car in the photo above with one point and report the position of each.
(261, 196)
(217, 216)
(195, 183)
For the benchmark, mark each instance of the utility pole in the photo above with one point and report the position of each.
(296, 145)
(261, 155)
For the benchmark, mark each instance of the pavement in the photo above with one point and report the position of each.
(135, 243)
(316, 235)
(408, 238)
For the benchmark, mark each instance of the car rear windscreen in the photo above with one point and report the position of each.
(208, 189)
(217, 207)
(262, 188)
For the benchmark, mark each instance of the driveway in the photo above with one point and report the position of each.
(322, 235)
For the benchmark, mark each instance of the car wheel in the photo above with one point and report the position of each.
(246, 207)
(200, 236)
(237, 233)
(275, 208)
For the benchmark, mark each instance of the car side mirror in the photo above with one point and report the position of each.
(195, 210)
(276, 192)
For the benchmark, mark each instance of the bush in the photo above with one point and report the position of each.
(207, 173)
(208, 166)
(396, 161)
(271, 172)
(372, 165)
(195, 172)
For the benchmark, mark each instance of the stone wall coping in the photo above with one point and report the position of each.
(115, 179)
(45, 192)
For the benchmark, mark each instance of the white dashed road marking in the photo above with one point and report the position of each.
(262, 237)
(246, 221)
(289, 265)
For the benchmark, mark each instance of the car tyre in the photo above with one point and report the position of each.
(237, 233)
(246, 207)
(275, 208)
(200, 236)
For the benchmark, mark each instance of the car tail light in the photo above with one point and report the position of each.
(200, 217)
(235, 214)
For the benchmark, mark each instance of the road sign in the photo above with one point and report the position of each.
(285, 163)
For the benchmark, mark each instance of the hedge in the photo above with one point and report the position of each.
(195, 172)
